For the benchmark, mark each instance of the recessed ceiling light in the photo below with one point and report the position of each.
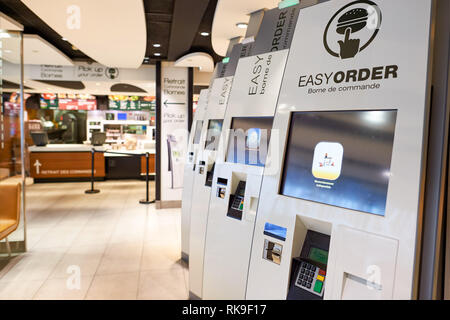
(65, 39)
(97, 83)
(157, 54)
(241, 25)
(204, 34)
(156, 45)
(8, 51)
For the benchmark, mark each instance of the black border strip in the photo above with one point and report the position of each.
(190, 97)
(158, 133)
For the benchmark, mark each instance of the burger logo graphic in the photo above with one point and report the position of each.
(352, 29)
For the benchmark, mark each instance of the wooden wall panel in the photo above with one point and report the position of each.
(65, 165)
(151, 164)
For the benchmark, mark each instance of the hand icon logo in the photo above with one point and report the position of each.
(349, 47)
(362, 19)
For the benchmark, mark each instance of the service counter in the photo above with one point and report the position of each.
(59, 162)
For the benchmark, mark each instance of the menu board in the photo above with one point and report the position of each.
(77, 104)
(68, 102)
(132, 103)
(49, 101)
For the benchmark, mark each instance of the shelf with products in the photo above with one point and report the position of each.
(130, 123)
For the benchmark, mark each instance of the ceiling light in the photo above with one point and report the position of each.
(97, 83)
(65, 39)
(204, 34)
(241, 25)
(287, 3)
(156, 45)
(157, 54)
(8, 51)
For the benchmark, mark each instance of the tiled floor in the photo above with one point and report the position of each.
(102, 246)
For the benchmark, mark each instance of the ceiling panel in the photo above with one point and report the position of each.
(101, 28)
(162, 20)
(35, 51)
(7, 23)
(32, 24)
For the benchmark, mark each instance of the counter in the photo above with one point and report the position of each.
(65, 161)
(73, 161)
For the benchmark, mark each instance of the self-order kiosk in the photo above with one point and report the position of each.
(242, 157)
(338, 217)
(211, 136)
(189, 168)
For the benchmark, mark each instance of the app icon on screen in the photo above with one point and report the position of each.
(327, 161)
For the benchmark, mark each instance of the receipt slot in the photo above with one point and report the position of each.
(349, 189)
(189, 171)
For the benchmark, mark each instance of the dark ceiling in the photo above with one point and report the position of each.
(174, 24)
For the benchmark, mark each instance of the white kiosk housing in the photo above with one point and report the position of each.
(339, 218)
(211, 136)
(189, 167)
(241, 158)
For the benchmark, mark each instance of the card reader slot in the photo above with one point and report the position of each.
(201, 167)
(236, 203)
(221, 188)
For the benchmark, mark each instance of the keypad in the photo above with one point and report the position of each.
(238, 203)
(311, 278)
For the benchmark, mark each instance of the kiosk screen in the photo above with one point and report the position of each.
(213, 134)
(198, 131)
(340, 158)
(249, 140)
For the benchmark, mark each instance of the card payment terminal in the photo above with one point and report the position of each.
(309, 270)
(236, 205)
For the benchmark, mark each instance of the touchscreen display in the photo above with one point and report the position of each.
(213, 134)
(249, 140)
(340, 158)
